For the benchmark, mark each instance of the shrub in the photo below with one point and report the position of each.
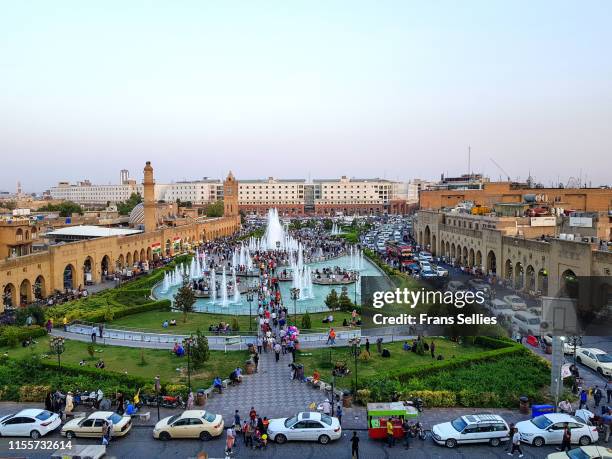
(200, 352)
(33, 393)
(439, 398)
(363, 396)
(12, 335)
(91, 350)
(306, 321)
(36, 312)
(235, 324)
(365, 356)
(175, 389)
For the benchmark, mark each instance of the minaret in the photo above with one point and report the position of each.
(149, 199)
(230, 196)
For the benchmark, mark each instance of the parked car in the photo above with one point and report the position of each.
(500, 309)
(567, 348)
(516, 302)
(190, 424)
(455, 286)
(584, 452)
(526, 323)
(33, 423)
(474, 428)
(440, 271)
(305, 426)
(547, 429)
(596, 359)
(91, 426)
(425, 256)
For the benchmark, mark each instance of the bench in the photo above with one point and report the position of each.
(142, 416)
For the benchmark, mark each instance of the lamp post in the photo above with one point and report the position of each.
(355, 344)
(157, 391)
(356, 282)
(295, 295)
(57, 347)
(250, 298)
(188, 343)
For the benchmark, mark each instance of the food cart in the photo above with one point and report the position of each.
(379, 413)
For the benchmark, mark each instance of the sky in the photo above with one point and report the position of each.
(299, 89)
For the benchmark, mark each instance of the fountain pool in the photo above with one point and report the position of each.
(316, 303)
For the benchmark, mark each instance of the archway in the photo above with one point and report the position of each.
(433, 245)
(491, 262)
(542, 281)
(508, 271)
(105, 265)
(69, 277)
(453, 251)
(149, 253)
(471, 258)
(143, 255)
(136, 256)
(9, 298)
(168, 247)
(427, 240)
(40, 288)
(478, 260)
(569, 284)
(447, 248)
(519, 276)
(120, 262)
(464, 256)
(128, 259)
(530, 278)
(25, 292)
(88, 270)
(19, 235)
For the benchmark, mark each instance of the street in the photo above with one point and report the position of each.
(139, 443)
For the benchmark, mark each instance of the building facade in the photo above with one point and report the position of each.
(36, 275)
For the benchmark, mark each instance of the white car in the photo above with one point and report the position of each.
(440, 271)
(33, 423)
(189, 424)
(548, 429)
(91, 426)
(526, 323)
(596, 359)
(516, 302)
(425, 256)
(473, 428)
(310, 426)
(584, 452)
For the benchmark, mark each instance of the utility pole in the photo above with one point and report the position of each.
(556, 384)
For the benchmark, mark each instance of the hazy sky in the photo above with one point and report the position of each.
(299, 88)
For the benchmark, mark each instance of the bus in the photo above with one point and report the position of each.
(401, 251)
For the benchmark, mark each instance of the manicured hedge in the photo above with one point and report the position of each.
(11, 335)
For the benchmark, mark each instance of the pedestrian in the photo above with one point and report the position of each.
(390, 438)
(583, 399)
(105, 433)
(406, 429)
(566, 442)
(237, 423)
(256, 361)
(509, 445)
(355, 446)
(101, 329)
(597, 396)
(120, 402)
(277, 351)
(607, 422)
(432, 348)
(49, 326)
(339, 413)
(65, 323)
(230, 438)
(190, 400)
(608, 389)
(516, 443)
(94, 332)
(379, 345)
(259, 344)
(367, 346)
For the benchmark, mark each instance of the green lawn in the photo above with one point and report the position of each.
(152, 321)
(128, 360)
(324, 359)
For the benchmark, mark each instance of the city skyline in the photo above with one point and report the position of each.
(397, 90)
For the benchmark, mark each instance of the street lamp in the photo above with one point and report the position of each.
(295, 295)
(250, 298)
(157, 391)
(188, 343)
(57, 347)
(355, 347)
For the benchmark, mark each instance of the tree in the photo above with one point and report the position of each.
(126, 207)
(184, 299)
(327, 224)
(215, 210)
(344, 302)
(65, 209)
(306, 322)
(331, 301)
(200, 352)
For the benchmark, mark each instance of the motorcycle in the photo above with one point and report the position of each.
(417, 431)
(169, 401)
(417, 403)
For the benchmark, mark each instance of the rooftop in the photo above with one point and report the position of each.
(92, 231)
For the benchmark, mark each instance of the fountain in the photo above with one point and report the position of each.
(224, 300)
(213, 286)
(235, 283)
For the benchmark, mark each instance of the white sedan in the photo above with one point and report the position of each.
(308, 426)
(595, 359)
(516, 302)
(548, 429)
(33, 423)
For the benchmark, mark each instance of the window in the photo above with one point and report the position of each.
(98, 423)
(181, 422)
(195, 422)
(88, 423)
(44, 415)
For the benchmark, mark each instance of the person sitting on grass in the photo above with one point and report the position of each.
(316, 377)
(173, 323)
(180, 352)
(165, 324)
(100, 364)
(236, 376)
(406, 346)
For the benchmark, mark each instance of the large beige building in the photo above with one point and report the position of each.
(257, 196)
(510, 248)
(68, 265)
